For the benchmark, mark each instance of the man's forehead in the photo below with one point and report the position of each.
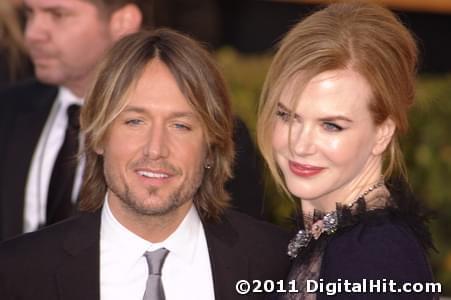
(44, 4)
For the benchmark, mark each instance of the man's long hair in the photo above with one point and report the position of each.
(200, 82)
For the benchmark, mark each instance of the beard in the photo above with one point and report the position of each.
(179, 196)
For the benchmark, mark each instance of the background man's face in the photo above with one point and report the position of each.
(155, 150)
(65, 38)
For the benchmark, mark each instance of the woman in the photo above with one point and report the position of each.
(333, 105)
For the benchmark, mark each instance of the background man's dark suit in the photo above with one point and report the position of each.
(62, 261)
(23, 112)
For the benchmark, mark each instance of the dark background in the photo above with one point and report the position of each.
(255, 26)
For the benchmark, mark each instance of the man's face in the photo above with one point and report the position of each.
(66, 39)
(154, 151)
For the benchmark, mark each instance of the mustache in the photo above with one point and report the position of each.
(147, 163)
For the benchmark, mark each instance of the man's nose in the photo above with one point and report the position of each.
(157, 146)
(36, 29)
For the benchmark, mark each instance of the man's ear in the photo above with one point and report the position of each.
(384, 135)
(208, 160)
(125, 20)
(99, 150)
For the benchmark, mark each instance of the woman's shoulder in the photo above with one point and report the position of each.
(382, 246)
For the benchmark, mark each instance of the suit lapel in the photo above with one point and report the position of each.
(26, 128)
(229, 262)
(79, 276)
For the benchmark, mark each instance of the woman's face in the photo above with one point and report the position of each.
(335, 149)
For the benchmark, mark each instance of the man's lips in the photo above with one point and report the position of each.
(42, 60)
(304, 170)
(154, 177)
(41, 55)
(158, 174)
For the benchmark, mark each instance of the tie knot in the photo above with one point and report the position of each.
(155, 260)
(73, 114)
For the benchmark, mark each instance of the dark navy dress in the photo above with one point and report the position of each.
(387, 244)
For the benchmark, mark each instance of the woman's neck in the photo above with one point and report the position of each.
(376, 197)
(349, 191)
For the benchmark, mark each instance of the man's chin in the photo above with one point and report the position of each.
(154, 205)
(154, 210)
(46, 75)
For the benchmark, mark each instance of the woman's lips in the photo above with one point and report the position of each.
(304, 170)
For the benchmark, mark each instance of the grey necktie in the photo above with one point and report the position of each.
(154, 287)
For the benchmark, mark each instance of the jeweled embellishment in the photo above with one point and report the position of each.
(330, 222)
(301, 240)
(327, 224)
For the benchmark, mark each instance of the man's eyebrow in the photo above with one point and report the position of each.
(184, 114)
(55, 8)
(135, 109)
(48, 8)
(176, 114)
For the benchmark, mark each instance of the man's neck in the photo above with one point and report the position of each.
(79, 87)
(154, 229)
(68, 96)
(79, 91)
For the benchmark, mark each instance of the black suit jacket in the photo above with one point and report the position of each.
(62, 261)
(24, 110)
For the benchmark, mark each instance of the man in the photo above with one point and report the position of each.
(39, 177)
(159, 148)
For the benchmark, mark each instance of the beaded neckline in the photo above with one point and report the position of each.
(328, 224)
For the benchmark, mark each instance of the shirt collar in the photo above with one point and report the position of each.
(66, 97)
(181, 243)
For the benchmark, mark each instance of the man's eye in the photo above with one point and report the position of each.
(133, 122)
(58, 14)
(29, 13)
(182, 126)
(283, 115)
(329, 126)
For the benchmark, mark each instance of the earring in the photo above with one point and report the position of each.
(207, 166)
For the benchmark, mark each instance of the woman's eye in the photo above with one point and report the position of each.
(329, 126)
(283, 115)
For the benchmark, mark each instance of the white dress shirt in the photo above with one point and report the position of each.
(186, 273)
(44, 157)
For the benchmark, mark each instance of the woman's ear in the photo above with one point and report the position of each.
(384, 135)
(125, 20)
